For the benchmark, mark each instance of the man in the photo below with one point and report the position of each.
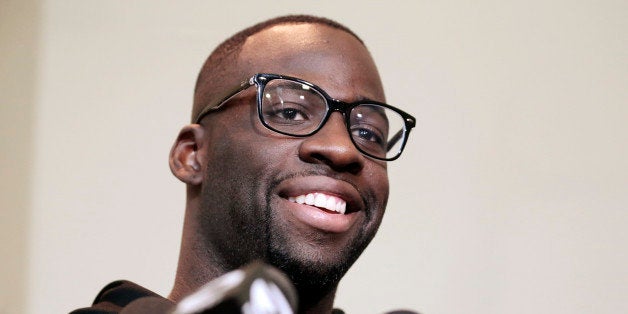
(285, 160)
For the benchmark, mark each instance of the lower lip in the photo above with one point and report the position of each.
(321, 219)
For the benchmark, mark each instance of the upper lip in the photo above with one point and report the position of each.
(302, 185)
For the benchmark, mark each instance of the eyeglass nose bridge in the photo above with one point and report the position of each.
(338, 106)
(335, 105)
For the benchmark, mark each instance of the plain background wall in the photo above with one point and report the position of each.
(511, 197)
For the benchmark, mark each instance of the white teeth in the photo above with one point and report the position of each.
(309, 199)
(301, 199)
(331, 203)
(321, 200)
(342, 207)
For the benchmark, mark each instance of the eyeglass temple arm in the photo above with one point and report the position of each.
(410, 123)
(393, 140)
(224, 98)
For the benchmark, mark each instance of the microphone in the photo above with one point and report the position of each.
(255, 289)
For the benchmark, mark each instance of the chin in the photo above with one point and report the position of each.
(314, 271)
(311, 277)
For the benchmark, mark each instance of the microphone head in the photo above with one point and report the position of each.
(256, 288)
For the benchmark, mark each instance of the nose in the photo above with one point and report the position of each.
(332, 146)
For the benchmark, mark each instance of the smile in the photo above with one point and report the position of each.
(328, 202)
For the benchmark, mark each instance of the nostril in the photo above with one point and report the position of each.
(320, 157)
(350, 165)
(354, 168)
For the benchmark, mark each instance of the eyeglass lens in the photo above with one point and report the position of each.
(294, 108)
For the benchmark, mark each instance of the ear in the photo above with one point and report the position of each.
(186, 160)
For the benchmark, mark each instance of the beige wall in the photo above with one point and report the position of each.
(19, 26)
(511, 197)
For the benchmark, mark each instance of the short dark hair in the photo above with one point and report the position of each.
(226, 53)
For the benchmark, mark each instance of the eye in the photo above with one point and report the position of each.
(369, 128)
(287, 113)
(365, 133)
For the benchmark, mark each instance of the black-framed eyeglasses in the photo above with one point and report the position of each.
(291, 106)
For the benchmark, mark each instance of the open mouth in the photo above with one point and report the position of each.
(323, 201)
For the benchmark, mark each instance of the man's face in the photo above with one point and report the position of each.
(253, 175)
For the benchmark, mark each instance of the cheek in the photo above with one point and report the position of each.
(377, 178)
(248, 157)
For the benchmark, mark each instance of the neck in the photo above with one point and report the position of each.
(195, 269)
(197, 266)
(320, 305)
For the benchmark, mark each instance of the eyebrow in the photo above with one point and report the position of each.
(361, 99)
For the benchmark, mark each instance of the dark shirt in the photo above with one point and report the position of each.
(126, 297)
(123, 295)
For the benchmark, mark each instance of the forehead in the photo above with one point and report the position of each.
(331, 58)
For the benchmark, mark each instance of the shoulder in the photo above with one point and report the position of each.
(118, 295)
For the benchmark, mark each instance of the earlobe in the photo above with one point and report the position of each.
(185, 160)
